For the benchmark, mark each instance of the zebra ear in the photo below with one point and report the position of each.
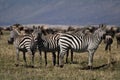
(34, 27)
(17, 29)
(38, 27)
(102, 26)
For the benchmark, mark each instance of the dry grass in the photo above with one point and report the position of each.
(8, 71)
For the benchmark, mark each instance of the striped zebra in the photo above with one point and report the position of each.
(80, 43)
(48, 43)
(24, 43)
(78, 32)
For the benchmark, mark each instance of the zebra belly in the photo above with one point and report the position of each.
(50, 50)
(23, 49)
(79, 50)
(82, 48)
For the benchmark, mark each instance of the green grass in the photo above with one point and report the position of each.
(8, 70)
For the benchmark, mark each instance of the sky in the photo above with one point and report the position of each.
(61, 12)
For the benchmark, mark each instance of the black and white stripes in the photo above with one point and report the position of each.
(80, 43)
(58, 42)
(49, 43)
(24, 43)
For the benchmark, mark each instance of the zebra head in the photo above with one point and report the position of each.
(37, 34)
(100, 32)
(13, 36)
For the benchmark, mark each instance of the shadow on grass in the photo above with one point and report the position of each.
(28, 66)
(104, 66)
(74, 62)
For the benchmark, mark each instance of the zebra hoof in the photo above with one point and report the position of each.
(72, 62)
(16, 65)
(57, 65)
(32, 66)
(90, 67)
(61, 66)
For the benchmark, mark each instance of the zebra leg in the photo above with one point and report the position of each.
(17, 57)
(33, 55)
(40, 52)
(54, 58)
(117, 43)
(107, 46)
(61, 58)
(45, 58)
(67, 54)
(71, 56)
(90, 60)
(58, 58)
(24, 57)
(109, 54)
(32, 58)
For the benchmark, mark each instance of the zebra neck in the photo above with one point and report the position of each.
(42, 37)
(98, 38)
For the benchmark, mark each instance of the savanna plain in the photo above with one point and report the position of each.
(74, 71)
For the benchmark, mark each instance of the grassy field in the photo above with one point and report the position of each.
(8, 70)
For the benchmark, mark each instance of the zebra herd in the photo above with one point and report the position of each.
(56, 41)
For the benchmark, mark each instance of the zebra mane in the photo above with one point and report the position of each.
(99, 33)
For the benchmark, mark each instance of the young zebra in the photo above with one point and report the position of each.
(24, 43)
(79, 43)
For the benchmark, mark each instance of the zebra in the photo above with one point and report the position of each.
(108, 41)
(78, 32)
(48, 43)
(75, 32)
(14, 33)
(79, 43)
(118, 39)
(24, 43)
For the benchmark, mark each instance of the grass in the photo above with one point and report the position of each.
(8, 70)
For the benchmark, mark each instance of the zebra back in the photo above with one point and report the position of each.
(81, 42)
(22, 41)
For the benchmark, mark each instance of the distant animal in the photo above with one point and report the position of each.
(1, 33)
(118, 39)
(108, 41)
